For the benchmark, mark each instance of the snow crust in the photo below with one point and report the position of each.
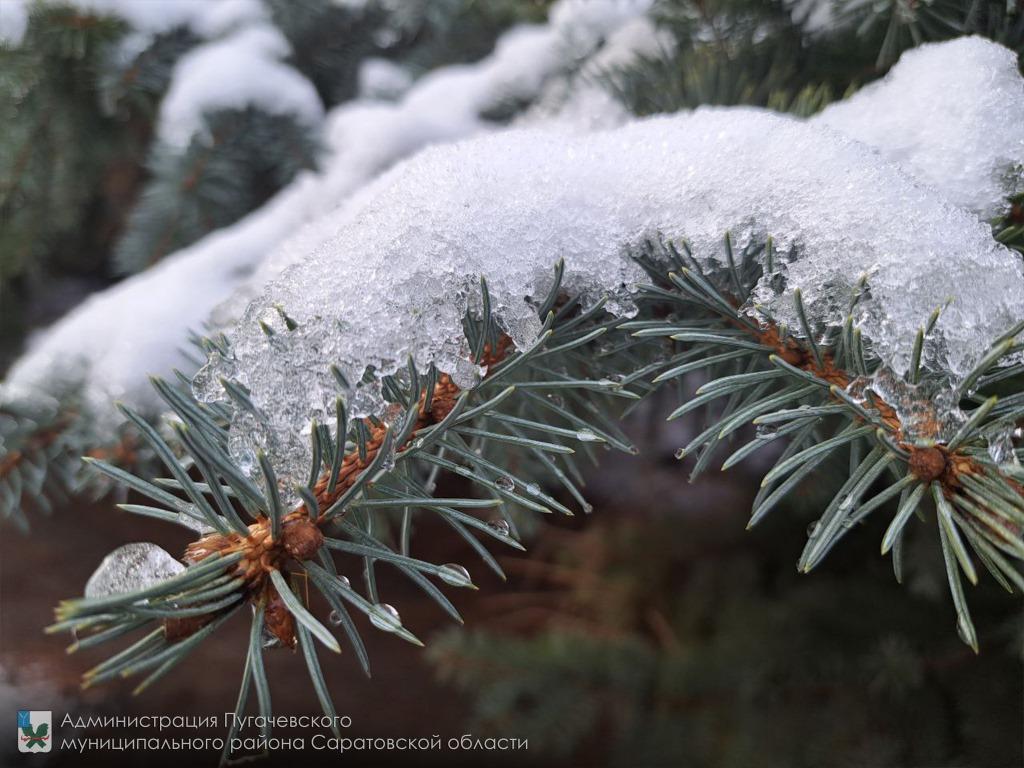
(531, 196)
(245, 68)
(132, 567)
(952, 114)
(106, 347)
(402, 264)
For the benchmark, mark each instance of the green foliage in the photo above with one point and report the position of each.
(678, 642)
(525, 421)
(517, 437)
(732, 52)
(135, 86)
(896, 25)
(425, 34)
(240, 159)
(1009, 229)
(815, 389)
(329, 41)
(65, 167)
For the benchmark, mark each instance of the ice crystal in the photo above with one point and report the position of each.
(130, 568)
(402, 261)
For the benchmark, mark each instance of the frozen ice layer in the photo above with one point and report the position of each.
(131, 568)
(952, 114)
(400, 263)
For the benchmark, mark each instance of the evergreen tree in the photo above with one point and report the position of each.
(283, 480)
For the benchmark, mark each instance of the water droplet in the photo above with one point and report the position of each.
(587, 507)
(455, 574)
(385, 617)
(533, 489)
(500, 525)
(132, 567)
(587, 436)
(506, 483)
(813, 528)
(335, 618)
(680, 453)
(345, 583)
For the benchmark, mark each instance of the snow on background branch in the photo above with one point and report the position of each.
(98, 351)
(691, 176)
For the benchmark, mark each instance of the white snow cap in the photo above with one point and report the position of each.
(953, 114)
(107, 345)
(206, 18)
(366, 137)
(132, 567)
(405, 255)
(13, 22)
(110, 343)
(383, 79)
(243, 69)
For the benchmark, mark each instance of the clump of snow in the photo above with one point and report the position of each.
(106, 347)
(245, 68)
(13, 22)
(383, 79)
(206, 18)
(132, 567)
(152, 17)
(402, 259)
(584, 102)
(952, 113)
(367, 137)
(583, 24)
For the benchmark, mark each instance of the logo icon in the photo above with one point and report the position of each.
(34, 730)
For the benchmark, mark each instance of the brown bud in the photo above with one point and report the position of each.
(443, 400)
(927, 464)
(179, 629)
(302, 538)
(278, 619)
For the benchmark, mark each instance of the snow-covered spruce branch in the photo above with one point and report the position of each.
(107, 347)
(426, 334)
